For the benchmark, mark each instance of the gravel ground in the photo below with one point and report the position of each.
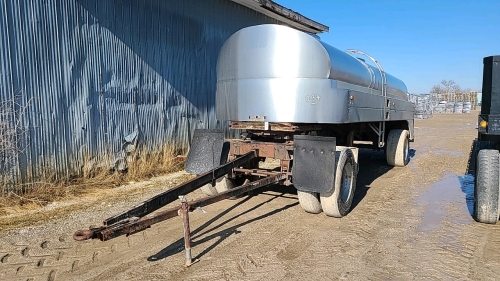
(407, 223)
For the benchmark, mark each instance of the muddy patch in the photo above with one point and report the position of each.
(453, 197)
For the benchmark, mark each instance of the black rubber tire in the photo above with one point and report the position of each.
(397, 148)
(309, 201)
(337, 203)
(486, 191)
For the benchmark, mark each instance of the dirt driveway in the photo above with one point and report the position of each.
(407, 223)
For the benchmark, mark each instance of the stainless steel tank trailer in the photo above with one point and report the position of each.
(295, 99)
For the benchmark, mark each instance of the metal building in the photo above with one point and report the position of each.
(85, 80)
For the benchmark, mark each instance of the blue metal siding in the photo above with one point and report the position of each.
(98, 78)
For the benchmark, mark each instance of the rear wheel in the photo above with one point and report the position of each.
(486, 191)
(309, 201)
(337, 203)
(208, 189)
(221, 184)
(397, 150)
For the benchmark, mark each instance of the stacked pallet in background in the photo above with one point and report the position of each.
(428, 104)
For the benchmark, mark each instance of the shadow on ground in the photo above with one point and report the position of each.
(467, 186)
(178, 246)
(373, 165)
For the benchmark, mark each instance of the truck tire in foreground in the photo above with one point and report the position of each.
(309, 201)
(337, 202)
(486, 192)
(221, 184)
(208, 189)
(398, 148)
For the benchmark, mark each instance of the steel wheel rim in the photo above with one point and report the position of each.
(345, 185)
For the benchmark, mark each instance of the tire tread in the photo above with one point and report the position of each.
(309, 201)
(395, 148)
(486, 191)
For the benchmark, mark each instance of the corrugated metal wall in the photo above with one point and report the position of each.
(88, 79)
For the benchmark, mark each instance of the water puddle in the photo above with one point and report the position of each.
(441, 151)
(451, 193)
(448, 152)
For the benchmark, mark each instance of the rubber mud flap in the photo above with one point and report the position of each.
(205, 152)
(314, 163)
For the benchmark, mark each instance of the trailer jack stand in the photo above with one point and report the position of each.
(184, 213)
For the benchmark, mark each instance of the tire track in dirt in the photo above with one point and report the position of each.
(107, 260)
(64, 259)
(446, 253)
(268, 237)
(368, 228)
(61, 258)
(116, 259)
(436, 254)
(330, 244)
(38, 261)
(487, 261)
(459, 240)
(239, 255)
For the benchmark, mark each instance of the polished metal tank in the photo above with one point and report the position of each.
(278, 74)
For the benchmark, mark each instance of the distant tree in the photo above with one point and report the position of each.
(437, 89)
(446, 86)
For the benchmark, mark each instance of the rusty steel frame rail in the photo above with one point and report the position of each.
(256, 172)
(172, 195)
(273, 126)
(134, 225)
(273, 150)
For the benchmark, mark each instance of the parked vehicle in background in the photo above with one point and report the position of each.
(487, 165)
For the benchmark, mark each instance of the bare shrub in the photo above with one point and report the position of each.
(11, 133)
(35, 193)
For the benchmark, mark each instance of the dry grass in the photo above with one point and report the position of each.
(22, 205)
(93, 183)
(147, 165)
(35, 215)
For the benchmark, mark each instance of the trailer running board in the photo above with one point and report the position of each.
(142, 217)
